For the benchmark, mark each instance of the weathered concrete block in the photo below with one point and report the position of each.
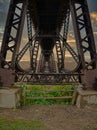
(88, 78)
(7, 77)
(9, 98)
(86, 97)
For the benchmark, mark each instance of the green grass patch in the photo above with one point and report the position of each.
(9, 124)
(44, 88)
(47, 102)
(33, 91)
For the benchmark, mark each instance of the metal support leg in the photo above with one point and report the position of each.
(13, 32)
(83, 34)
(59, 56)
(52, 64)
(34, 56)
(65, 32)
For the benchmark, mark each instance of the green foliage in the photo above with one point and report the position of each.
(47, 91)
(9, 124)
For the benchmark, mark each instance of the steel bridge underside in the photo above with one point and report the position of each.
(50, 21)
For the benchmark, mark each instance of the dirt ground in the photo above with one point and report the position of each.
(57, 117)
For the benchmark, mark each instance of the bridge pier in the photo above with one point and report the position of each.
(86, 98)
(9, 98)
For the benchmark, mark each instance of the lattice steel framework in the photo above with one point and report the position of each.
(13, 32)
(85, 42)
(47, 18)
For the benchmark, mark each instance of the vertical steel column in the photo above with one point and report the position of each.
(66, 24)
(33, 45)
(90, 37)
(83, 34)
(52, 63)
(29, 26)
(13, 31)
(60, 57)
(65, 32)
(41, 63)
(34, 55)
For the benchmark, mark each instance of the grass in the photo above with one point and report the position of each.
(47, 91)
(9, 124)
(44, 88)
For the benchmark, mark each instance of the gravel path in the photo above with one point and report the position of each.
(57, 117)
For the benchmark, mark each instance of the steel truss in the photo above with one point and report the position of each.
(46, 66)
(55, 73)
(65, 31)
(48, 78)
(83, 34)
(13, 33)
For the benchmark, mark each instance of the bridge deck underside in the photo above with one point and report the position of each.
(50, 14)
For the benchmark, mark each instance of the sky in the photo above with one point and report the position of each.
(92, 8)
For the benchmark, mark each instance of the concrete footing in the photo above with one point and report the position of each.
(9, 98)
(7, 77)
(85, 98)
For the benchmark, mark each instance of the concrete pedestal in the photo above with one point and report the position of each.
(86, 97)
(9, 98)
(7, 77)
